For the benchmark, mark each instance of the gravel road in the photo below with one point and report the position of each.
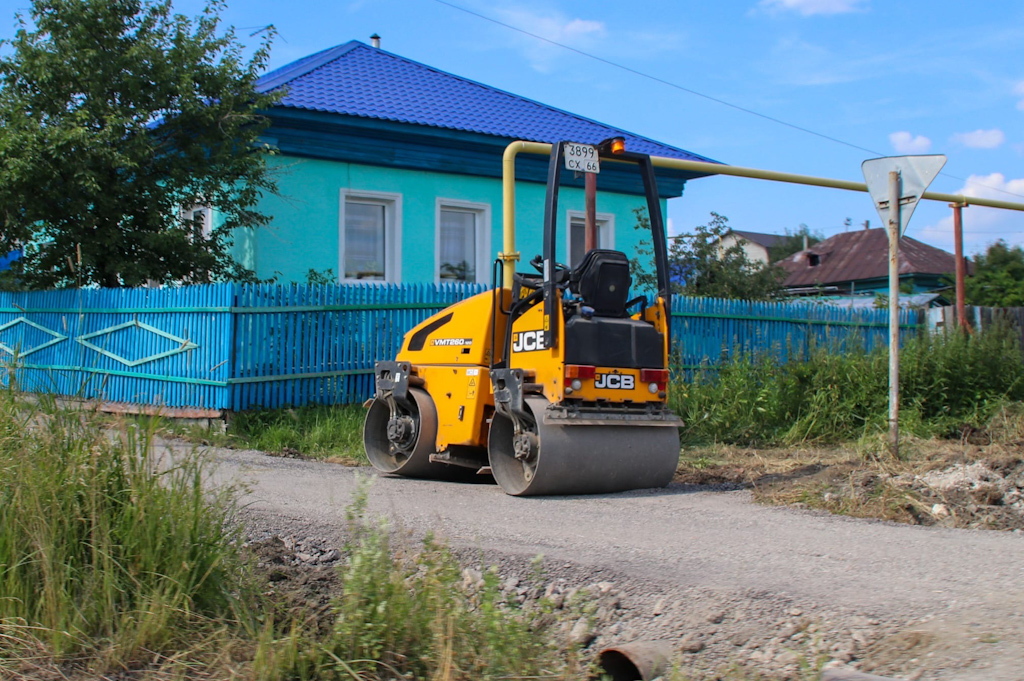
(704, 565)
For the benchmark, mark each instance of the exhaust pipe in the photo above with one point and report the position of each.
(636, 661)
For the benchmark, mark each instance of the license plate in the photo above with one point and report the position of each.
(582, 158)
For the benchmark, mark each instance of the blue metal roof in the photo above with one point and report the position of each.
(355, 79)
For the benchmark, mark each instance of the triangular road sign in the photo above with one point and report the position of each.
(916, 173)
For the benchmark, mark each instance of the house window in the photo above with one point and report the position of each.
(198, 220)
(813, 259)
(463, 241)
(370, 236)
(577, 234)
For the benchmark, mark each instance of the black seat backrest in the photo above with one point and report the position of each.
(603, 281)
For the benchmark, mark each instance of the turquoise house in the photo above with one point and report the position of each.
(390, 170)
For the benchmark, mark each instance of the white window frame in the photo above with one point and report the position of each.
(392, 204)
(186, 217)
(483, 236)
(605, 220)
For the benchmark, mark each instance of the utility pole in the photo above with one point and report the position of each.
(961, 266)
(590, 206)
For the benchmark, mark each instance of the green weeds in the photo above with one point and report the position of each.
(333, 433)
(408, 612)
(329, 433)
(948, 384)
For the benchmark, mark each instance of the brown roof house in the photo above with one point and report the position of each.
(858, 262)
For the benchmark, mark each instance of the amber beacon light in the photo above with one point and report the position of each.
(614, 145)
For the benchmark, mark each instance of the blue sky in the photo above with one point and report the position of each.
(913, 76)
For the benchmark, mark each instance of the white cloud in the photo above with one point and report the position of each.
(982, 226)
(994, 186)
(906, 143)
(1019, 90)
(589, 35)
(810, 7)
(584, 34)
(980, 139)
(582, 27)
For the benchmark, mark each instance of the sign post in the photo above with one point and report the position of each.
(894, 312)
(896, 184)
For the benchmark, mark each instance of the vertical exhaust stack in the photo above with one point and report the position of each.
(375, 40)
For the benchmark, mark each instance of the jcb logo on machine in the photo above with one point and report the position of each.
(527, 341)
(614, 381)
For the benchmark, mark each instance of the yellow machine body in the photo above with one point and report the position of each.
(451, 353)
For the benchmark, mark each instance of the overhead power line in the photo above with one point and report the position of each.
(677, 86)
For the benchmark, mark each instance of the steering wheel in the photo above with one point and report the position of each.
(561, 271)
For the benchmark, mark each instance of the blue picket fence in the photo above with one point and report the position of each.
(163, 347)
(707, 330)
(237, 347)
(317, 344)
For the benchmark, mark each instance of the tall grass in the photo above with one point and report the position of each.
(105, 549)
(947, 383)
(334, 432)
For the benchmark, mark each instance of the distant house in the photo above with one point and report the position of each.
(755, 244)
(858, 262)
(390, 170)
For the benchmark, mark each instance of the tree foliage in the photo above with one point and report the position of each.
(793, 242)
(699, 266)
(998, 279)
(116, 117)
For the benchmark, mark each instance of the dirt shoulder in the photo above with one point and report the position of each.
(935, 482)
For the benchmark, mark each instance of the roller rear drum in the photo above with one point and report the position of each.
(580, 459)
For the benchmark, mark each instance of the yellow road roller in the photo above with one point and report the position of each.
(555, 381)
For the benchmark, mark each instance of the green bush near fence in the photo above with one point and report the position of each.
(947, 383)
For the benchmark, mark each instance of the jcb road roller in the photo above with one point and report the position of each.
(555, 381)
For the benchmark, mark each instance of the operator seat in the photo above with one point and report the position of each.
(608, 337)
(602, 279)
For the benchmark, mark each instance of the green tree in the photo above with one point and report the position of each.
(793, 242)
(118, 119)
(998, 279)
(699, 266)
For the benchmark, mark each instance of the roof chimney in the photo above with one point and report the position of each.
(867, 224)
(375, 40)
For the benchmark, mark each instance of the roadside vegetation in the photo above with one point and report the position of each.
(108, 554)
(117, 559)
(331, 433)
(949, 385)
(410, 612)
(327, 433)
